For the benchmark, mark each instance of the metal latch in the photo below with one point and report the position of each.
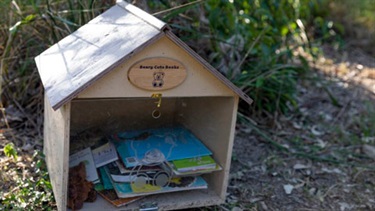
(149, 206)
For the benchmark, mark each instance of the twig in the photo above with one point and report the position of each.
(329, 190)
(251, 48)
(338, 116)
(25, 113)
(5, 160)
(178, 7)
(316, 158)
(277, 145)
(13, 190)
(358, 173)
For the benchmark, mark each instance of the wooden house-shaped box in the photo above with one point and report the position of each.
(111, 74)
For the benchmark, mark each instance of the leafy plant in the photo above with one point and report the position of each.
(10, 151)
(261, 45)
(32, 193)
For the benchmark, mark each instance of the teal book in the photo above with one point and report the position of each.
(107, 184)
(143, 147)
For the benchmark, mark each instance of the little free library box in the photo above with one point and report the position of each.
(125, 78)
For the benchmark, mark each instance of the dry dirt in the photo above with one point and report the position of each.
(328, 163)
(317, 157)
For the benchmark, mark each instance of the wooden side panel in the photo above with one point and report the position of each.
(213, 121)
(56, 149)
(199, 81)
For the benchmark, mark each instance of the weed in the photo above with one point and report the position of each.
(32, 193)
(10, 151)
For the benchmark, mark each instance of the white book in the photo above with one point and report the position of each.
(104, 154)
(85, 156)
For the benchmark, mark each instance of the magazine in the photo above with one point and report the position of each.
(121, 167)
(106, 190)
(125, 175)
(155, 145)
(127, 190)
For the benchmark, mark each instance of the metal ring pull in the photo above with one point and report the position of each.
(156, 114)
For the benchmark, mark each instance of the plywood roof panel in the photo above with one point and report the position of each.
(94, 49)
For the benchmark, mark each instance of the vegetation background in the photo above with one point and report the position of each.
(268, 48)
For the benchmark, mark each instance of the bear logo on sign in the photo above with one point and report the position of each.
(158, 79)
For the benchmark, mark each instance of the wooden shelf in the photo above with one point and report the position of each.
(167, 201)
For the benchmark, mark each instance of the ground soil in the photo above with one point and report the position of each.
(264, 177)
(316, 157)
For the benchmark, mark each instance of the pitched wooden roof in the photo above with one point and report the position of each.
(96, 48)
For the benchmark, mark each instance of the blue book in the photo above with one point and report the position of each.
(147, 147)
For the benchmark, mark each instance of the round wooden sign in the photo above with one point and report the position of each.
(157, 73)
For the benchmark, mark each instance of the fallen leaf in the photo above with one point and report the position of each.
(299, 166)
(232, 199)
(256, 199)
(27, 147)
(345, 206)
(237, 209)
(330, 171)
(321, 143)
(297, 125)
(288, 188)
(274, 174)
(263, 205)
(320, 195)
(312, 191)
(315, 131)
(369, 150)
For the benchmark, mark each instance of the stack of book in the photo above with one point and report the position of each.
(135, 164)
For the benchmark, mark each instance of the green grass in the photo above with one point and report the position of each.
(31, 193)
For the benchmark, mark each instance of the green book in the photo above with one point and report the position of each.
(194, 164)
